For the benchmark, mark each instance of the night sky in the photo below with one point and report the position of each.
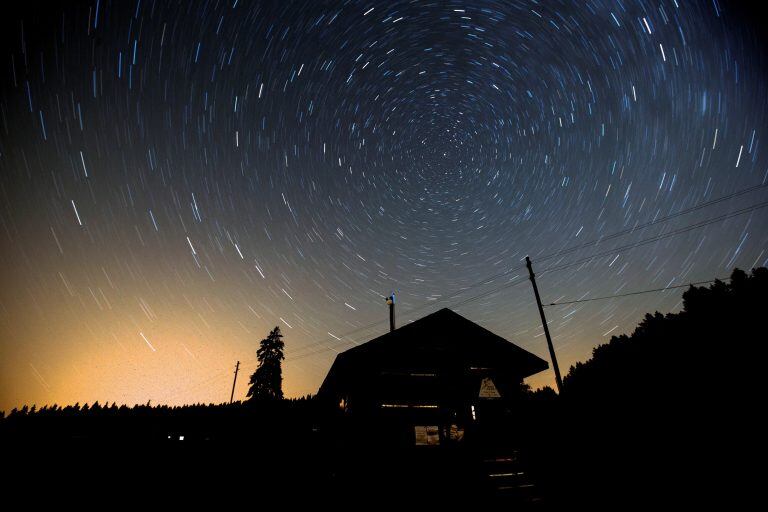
(177, 178)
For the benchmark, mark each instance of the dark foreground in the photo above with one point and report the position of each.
(546, 456)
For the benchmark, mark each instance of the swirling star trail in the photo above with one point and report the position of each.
(177, 178)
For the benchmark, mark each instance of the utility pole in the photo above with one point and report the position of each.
(555, 367)
(237, 369)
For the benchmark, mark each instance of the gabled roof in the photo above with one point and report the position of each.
(442, 338)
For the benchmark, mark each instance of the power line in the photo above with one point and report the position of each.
(635, 293)
(455, 305)
(562, 252)
(640, 243)
(518, 280)
(485, 294)
(625, 248)
(653, 222)
(662, 236)
(372, 325)
(341, 336)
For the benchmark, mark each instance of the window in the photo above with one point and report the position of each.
(427, 435)
(456, 433)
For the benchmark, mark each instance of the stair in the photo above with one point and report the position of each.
(509, 481)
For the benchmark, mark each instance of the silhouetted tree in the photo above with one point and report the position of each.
(671, 355)
(267, 381)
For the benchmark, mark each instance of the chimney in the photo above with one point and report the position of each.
(391, 304)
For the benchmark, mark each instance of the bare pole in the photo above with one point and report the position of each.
(555, 367)
(391, 303)
(237, 369)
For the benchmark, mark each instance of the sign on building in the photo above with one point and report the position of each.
(488, 389)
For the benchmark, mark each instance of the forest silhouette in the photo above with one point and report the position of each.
(668, 412)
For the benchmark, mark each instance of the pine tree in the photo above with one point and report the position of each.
(267, 381)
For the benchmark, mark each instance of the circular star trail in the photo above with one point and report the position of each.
(177, 178)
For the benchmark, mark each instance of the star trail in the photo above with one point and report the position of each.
(178, 178)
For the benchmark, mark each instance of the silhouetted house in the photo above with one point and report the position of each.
(426, 381)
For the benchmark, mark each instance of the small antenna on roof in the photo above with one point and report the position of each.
(391, 304)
